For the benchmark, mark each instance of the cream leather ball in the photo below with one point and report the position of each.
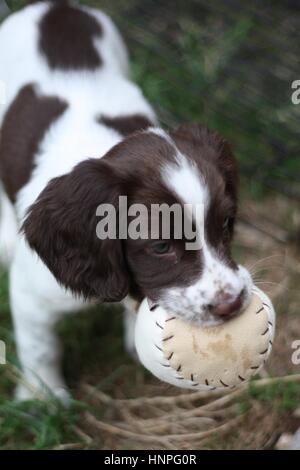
(211, 358)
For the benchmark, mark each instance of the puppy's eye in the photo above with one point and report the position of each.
(228, 224)
(161, 248)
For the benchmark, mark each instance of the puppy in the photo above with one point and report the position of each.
(76, 133)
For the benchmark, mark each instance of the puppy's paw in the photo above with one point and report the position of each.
(23, 393)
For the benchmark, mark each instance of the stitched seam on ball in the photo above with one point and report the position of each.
(224, 385)
(172, 352)
(179, 368)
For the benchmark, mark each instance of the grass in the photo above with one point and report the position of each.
(220, 63)
(34, 425)
(280, 396)
(21, 427)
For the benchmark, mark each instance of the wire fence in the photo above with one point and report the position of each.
(229, 64)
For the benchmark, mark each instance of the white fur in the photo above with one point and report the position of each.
(8, 230)
(185, 180)
(191, 302)
(37, 301)
(161, 133)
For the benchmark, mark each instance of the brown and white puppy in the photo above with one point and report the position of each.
(77, 134)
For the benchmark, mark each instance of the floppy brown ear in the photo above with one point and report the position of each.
(61, 227)
(202, 142)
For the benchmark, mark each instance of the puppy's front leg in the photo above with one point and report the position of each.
(37, 344)
(129, 326)
(39, 354)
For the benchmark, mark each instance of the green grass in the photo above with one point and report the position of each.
(6, 334)
(20, 426)
(282, 396)
(36, 425)
(229, 65)
(222, 64)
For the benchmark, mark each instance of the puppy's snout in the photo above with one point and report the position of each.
(226, 305)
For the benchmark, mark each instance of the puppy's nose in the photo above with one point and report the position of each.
(226, 307)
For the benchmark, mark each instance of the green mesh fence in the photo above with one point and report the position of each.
(229, 64)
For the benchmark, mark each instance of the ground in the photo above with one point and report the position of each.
(225, 67)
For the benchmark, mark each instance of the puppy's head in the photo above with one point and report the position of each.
(190, 166)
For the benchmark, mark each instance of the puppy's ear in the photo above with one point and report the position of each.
(61, 227)
(202, 143)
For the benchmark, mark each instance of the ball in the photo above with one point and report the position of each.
(218, 357)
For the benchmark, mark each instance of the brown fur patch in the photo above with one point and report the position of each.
(61, 227)
(126, 125)
(66, 38)
(24, 125)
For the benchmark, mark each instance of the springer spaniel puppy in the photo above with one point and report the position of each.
(77, 133)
